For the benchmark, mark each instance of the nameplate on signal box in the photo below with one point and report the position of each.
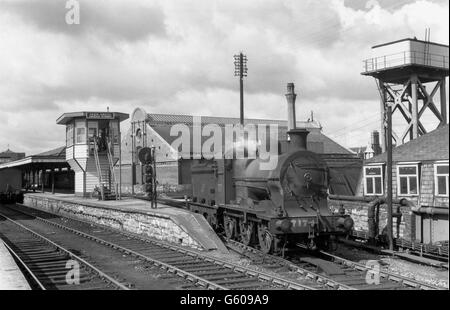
(99, 115)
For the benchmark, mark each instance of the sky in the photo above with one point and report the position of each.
(177, 57)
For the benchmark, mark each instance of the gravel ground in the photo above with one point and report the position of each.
(431, 275)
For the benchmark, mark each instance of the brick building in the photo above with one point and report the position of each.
(9, 155)
(419, 174)
(154, 129)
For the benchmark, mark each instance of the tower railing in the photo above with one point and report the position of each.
(406, 58)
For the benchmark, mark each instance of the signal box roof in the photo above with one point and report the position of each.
(91, 115)
(410, 39)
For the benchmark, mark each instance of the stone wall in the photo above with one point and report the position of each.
(405, 228)
(149, 224)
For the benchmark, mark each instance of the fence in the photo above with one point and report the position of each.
(405, 58)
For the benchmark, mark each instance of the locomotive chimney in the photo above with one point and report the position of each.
(298, 136)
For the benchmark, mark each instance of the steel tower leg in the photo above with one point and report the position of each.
(414, 108)
(443, 103)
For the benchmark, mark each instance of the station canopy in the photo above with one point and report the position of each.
(53, 159)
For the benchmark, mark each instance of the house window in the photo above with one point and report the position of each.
(373, 177)
(408, 180)
(441, 179)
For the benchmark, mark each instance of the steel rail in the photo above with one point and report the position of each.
(22, 263)
(71, 254)
(425, 249)
(272, 279)
(440, 252)
(324, 280)
(388, 275)
(172, 269)
(385, 274)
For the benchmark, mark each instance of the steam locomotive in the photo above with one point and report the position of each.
(270, 209)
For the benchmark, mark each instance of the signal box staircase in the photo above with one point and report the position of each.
(104, 163)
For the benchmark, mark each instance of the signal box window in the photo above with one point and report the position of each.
(69, 135)
(441, 179)
(92, 129)
(408, 180)
(373, 177)
(114, 131)
(80, 131)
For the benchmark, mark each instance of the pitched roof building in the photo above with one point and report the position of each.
(419, 174)
(431, 146)
(154, 129)
(33, 170)
(9, 155)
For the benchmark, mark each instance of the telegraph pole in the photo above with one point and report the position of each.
(240, 70)
(133, 148)
(389, 173)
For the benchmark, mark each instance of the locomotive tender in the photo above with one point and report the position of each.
(270, 208)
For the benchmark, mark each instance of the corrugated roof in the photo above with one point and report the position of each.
(431, 146)
(171, 119)
(317, 141)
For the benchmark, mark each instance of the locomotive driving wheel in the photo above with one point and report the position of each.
(265, 238)
(246, 230)
(229, 224)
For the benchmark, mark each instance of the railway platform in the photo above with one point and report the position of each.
(11, 277)
(165, 223)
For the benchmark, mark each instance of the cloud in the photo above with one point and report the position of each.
(177, 57)
(108, 19)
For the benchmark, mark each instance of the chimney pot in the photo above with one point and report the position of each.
(290, 97)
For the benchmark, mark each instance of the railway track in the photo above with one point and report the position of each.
(395, 280)
(199, 268)
(436, 252)
(351, 277)
(431, 251)
(354, 273)
(46, 264)
(276, 263)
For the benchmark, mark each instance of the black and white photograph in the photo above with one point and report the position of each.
(221, 151)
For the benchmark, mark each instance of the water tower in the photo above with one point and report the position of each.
(409, 74)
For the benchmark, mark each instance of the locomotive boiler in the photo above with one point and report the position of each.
(270, 209)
